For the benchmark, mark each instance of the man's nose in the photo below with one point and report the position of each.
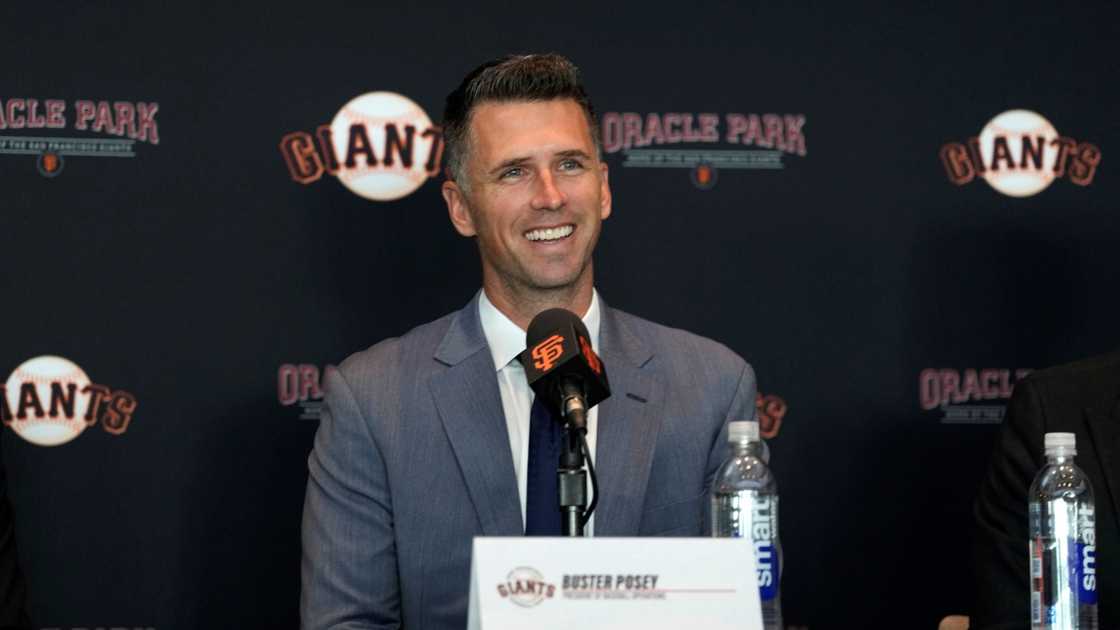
(548, 195)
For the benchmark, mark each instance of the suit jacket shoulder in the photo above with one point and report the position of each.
(688, 357)
(1065, 390)
(386, 354)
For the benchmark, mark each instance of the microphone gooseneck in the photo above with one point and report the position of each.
(572, 406)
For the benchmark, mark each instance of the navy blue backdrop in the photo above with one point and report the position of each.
(815, 228)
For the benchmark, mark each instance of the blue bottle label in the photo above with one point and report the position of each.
(1085, 572)
(766, 561)
(762, 529)
(1085, 556)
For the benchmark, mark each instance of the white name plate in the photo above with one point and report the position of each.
(588, 583)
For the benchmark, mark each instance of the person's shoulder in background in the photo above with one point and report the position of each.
(1092, 383)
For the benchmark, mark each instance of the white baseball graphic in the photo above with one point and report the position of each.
(526, 575)
(1014, 125)
(375, 110)
(42, 371)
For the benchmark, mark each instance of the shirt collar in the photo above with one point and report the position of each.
(506, 340)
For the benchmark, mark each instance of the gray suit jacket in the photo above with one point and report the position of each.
(412, 460)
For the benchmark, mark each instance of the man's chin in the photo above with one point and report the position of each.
(554, 283)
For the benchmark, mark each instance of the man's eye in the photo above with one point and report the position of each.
(569, 165)
(511, 173)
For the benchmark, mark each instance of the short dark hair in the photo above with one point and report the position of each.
(539, 77)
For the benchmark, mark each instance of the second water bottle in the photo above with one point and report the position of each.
(745, 505)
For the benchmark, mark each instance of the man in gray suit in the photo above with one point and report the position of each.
(426, 440)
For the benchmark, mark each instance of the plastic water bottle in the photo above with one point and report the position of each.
(745, 505)
(1063, 558)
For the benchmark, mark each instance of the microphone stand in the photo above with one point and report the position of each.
(572, 482)
(571, 475)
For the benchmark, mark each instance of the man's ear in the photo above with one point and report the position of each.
(457, 208)
(605, 193)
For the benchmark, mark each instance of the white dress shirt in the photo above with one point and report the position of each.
(506, 341)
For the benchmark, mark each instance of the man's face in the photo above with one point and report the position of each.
(536, 197)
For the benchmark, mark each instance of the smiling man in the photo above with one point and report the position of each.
(535, 194)
(433, 438)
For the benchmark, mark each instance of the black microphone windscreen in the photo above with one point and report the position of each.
(558, 350)
(548, 322)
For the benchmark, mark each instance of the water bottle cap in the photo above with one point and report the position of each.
(1060, 443)
(742, 431)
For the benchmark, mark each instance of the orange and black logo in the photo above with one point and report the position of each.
(546, 353)
(704, 176)
(381, 146)
(1020, 153)
(771, 411)
(50, 164)
(592, 359)
(49, 400)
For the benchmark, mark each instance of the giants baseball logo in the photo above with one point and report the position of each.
(547, 352)
(593, 361)
(525, 586)
(49, 401)
(1019, 153)
(771, 410)
(380, 145)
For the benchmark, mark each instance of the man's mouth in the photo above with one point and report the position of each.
(550, 234)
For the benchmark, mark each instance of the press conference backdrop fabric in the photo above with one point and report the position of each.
(892, 212)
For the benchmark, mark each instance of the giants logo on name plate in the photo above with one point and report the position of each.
(49, 401)
(525, 586)
(381, 146)
(1019, 153)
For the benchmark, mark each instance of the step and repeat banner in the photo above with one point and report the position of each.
(893, 214)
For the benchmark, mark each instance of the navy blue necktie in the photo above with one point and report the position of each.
(542, 503)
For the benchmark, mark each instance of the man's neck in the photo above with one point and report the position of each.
(522, 306)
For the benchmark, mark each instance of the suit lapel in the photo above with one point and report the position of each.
(628, 425)
(1105, 431)
(470, 407)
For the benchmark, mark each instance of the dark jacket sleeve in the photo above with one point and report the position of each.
(1000, 541)
(13, 591)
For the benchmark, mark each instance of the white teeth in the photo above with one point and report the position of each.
(550, 234)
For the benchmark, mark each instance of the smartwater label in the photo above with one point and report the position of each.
(1085, 572)
(763, 531)
(766, 557)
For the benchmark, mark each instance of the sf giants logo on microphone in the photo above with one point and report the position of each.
(546, 353)
(49, 401)
(592, 359)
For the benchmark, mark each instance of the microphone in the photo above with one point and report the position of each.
(562, 368)
(568, 378)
